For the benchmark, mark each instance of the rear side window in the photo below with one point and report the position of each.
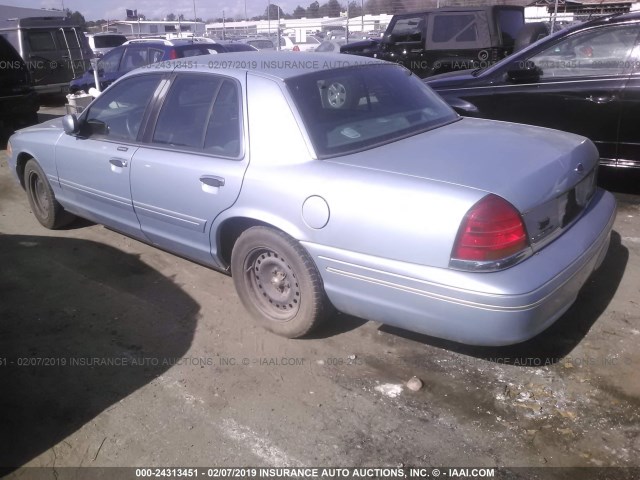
(357, 108)
(457, 28)
(201, 112)
(67, 40)
(41, 41)
(155, 55)
(134, 57)
(510, 23)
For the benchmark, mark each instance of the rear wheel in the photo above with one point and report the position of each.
(43, 203)
(278, 282)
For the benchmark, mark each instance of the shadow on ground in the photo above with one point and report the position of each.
(82, 326)
(564, 335)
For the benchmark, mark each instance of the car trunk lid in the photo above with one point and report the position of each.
(549, 176)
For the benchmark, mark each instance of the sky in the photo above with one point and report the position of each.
(115, 9)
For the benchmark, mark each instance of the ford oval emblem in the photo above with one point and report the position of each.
(579, 168)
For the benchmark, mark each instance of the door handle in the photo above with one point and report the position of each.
(118, 162)
(212, 180)
(600, 99)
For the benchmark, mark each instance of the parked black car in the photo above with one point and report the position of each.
(446, 39)
(584, 79)
(18, 100)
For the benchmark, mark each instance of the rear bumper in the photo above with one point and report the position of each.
(498, 308)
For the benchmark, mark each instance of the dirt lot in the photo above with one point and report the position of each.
(113, 353)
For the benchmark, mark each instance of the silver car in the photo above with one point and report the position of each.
(330, 182)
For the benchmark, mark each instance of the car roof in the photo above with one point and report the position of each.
(279, 65)
(176, 42)
(105, 34)
(461, 9)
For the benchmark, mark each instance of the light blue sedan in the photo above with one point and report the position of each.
(321, 181)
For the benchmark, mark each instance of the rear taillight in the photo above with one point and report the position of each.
(173, 54)
(296, 48)
(492, 230)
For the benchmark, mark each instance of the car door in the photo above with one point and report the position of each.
(629, 135)
(94, 165)
(192, 164)
(579, 87)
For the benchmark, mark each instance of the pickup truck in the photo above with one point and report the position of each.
(441, 40)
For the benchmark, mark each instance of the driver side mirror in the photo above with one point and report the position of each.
(70, 124)
(524, 72)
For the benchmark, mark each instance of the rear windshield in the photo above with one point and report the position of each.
(261, 44)
(192, 50)
(357, 108)
(109, 41)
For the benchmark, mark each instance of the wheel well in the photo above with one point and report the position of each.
(229, 232)
(23, 158)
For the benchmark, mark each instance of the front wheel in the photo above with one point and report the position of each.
(43, 203)
(278, 283)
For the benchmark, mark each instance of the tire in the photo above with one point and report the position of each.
(278, 283)
(531, 32)
(43, 202)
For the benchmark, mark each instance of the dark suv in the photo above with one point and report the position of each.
(134, 54)
(18, 100)
(446, 39)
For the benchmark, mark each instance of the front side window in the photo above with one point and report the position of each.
(357, 108)
(117, 113)
(201, 112)
(601, 51)
(111, 61)
(408, 29)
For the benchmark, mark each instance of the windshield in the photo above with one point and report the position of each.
(356, 108)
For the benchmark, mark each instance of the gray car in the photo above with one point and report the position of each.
(332, 183)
